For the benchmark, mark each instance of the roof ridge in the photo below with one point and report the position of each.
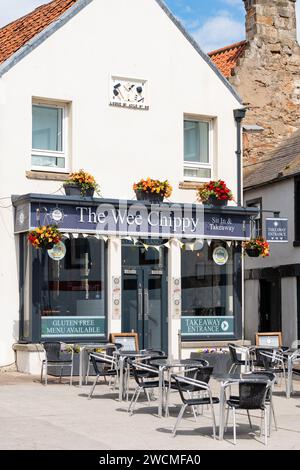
(227, 48)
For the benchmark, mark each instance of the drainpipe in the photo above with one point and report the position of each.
(239, 115)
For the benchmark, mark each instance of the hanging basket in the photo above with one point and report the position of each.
(75, 190)
(154, 198)
(214, 201)
(252, 252)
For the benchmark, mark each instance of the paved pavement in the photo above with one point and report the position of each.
(58, 416)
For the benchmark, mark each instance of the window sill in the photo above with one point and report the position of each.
(46, 175)
(190, 184)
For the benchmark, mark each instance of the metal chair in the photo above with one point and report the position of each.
(53, 358)
(269, 398)
(188, 385)
(252, 396)
(109, 351)
(295, 360)
(144, 383)
(104, 366)
(236, 362)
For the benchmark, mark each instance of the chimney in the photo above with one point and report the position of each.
(272, 21)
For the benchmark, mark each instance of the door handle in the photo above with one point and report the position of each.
(146, 304)
(140, 304)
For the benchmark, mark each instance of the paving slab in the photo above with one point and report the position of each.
(59, 416)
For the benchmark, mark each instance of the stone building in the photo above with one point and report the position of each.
(265, 70)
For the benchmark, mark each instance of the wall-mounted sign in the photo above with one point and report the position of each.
(128, 218)
(81, 326)
(220, 255)
(58, 252)
(277, 230)
(116, 297)
(176, 295)
(207, 326)
(128, 93)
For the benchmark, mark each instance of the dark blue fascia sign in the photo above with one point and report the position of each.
(277, 230)
(133, 218)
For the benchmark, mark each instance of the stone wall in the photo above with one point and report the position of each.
(268, 75)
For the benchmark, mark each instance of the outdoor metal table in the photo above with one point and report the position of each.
(225, 379)
(290, 354)
(167, 364)
(84, 349)
(122, 356)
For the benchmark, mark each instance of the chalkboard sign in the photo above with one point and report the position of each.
(269, 339)
(129, 341)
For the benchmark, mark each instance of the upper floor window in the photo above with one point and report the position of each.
(256, 224)
(49, 137)
(197, 149)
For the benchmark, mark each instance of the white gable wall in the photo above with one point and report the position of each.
(134, 39)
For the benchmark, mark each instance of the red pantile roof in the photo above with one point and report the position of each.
(226, 58)
(19, 32)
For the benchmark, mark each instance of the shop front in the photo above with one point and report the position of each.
(131, 266)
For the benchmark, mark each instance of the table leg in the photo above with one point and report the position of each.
(289, 378)
(121, 378)
(221, 414)
(81, 352)
(160, 391)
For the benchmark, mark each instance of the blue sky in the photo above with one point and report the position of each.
(213, 23)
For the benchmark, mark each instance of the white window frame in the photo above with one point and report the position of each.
(65, 137)
(191, 165)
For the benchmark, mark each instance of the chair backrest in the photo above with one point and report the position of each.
(204, 374)
(233, 353)
(139, 370)
(252, 394)
(104, 361)
(182, 382)
(261, 359)
(52, 349)
(202, 362)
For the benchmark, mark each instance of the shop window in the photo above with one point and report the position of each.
(49, 137)
(211, 291)
(256, 221)
(197, 150)
(69, 296)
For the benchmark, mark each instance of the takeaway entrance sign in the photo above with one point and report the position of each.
(277, 230)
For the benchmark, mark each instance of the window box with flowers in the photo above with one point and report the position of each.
(81, 183)
(152, 190)
(214, 193)
(45, 236)
(257, 247)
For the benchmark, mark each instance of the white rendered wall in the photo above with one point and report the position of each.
(251, 308)
(289, 310)
(134, 39)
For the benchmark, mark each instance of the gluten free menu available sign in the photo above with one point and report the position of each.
(73, 326)
(207, 326)
(277, 230)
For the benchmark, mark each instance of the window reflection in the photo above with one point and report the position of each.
(208, 288)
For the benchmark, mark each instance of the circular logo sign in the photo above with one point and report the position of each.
(57, 215)
(220, 255)
(58, 252)
(21, 217)
(224, 325)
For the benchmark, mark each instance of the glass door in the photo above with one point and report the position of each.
(155, 318)
(144, 306)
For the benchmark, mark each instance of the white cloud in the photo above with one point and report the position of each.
(219, 31)
(13, 9)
